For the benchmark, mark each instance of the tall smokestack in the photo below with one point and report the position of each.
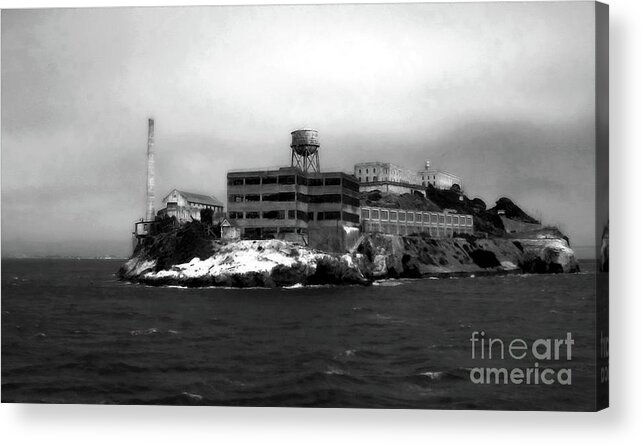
(149, 216)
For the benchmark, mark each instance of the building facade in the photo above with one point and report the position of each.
(384, 172)
(391, 178)
(407, 222)
(186, 206)
(438, 178)
(291, 203)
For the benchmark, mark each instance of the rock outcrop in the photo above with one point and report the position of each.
(274, 263)
(546, 252)
(258, 263)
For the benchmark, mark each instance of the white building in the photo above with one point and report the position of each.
(388, 177)
(384, 172)
(186, 206)
(438, 178)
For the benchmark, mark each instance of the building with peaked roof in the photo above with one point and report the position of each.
(186, 206)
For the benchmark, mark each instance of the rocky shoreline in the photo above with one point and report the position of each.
(186, 260)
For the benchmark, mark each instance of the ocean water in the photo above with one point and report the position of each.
(72, 333)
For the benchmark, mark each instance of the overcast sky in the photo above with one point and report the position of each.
(502, 94)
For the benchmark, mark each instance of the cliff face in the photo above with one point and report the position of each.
(258, 263)
(270, 263)
(416, 256)
(546, 251)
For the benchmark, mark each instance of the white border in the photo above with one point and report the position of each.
(71, 424)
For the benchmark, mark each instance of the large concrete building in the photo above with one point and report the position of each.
(386, 177)
(298, 202)
(187, 206)
(391, 178)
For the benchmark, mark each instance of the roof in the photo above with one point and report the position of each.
(200, 199)
(224, 222)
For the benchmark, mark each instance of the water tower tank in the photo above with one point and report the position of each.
(305, 142)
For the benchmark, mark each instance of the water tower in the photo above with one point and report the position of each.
(305, 150)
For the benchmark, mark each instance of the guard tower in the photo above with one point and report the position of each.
(305, 150)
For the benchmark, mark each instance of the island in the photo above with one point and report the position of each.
(195, 254)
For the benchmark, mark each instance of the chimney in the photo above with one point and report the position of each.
(149, 216)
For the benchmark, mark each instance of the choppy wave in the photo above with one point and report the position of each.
(394, 345)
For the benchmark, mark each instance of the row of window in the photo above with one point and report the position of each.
(292, 196)
(406, 216)
(293, 179)
(296, 214)
(203, 206)
(270, 232)
(374, 170)
(171, 205)
(397, 229)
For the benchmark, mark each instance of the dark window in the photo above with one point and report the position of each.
(252, 233)
(384, 215)
(302, 197)
(252, 180)
(375, 214)
(310, 216)
(235, 181)
(235, 198)
(271, 197)
(252, 197)
(332, 181)
(301, 180)
(291, 214)
(286, 197)
(351, 185)
(351, 217)
(349, 200)
(318, 199)
(269, 232)
(236, 215)
(274, 214)
(315, 182)
(301, 215)
(287, 179)
(252, 215)
(330, 215)
(365, 214)
(269, 179)
(402, 216)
